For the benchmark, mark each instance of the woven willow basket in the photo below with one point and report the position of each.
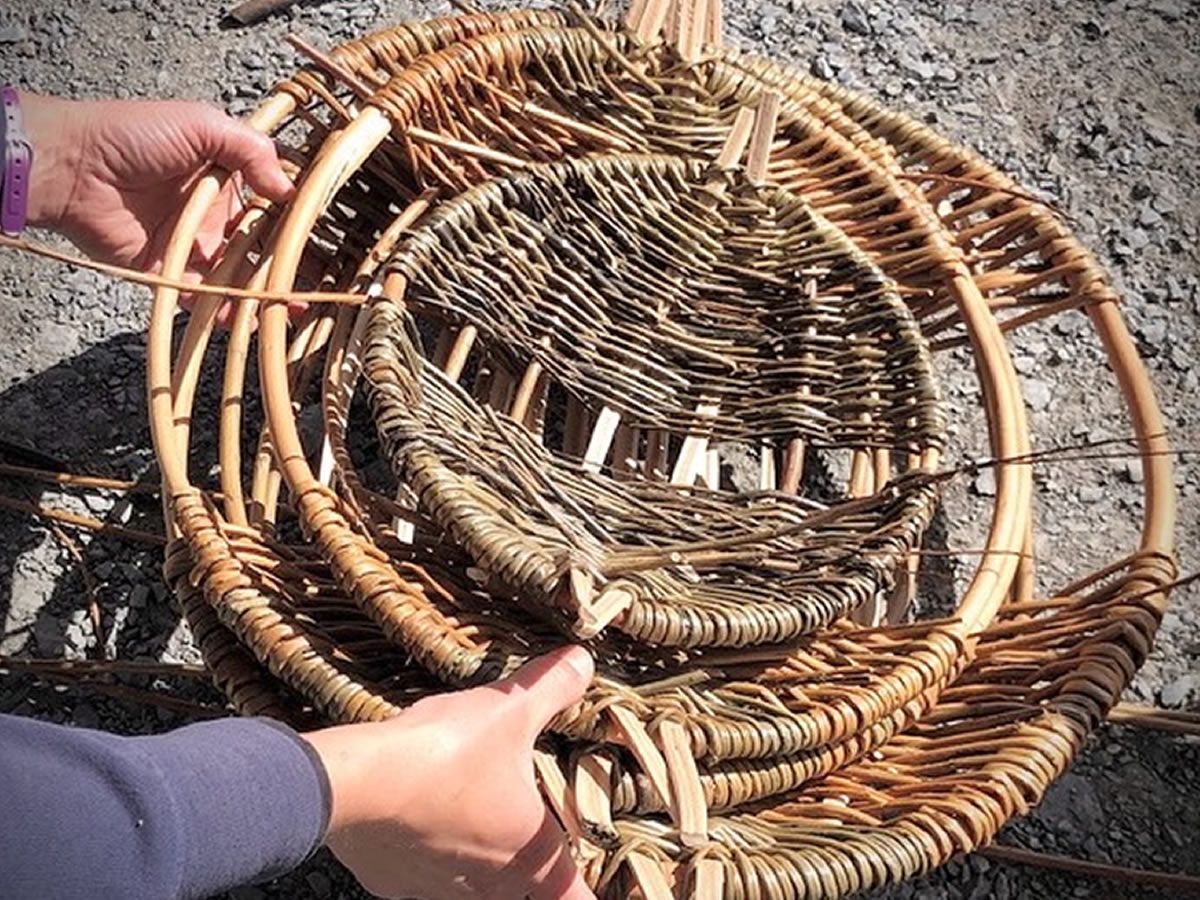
(873, 753)
(771, 329)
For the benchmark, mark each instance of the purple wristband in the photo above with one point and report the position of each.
(18, 164)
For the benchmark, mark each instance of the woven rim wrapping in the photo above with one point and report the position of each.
(950, 762)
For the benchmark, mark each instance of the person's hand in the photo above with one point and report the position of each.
(111, 175)
(442, 802)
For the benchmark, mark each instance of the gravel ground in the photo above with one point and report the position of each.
(1096, 105)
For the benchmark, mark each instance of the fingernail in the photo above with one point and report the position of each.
(580, 660)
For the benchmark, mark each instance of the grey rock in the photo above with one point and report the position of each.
(854, 18)
(138, 596)
(1154, 332)
(1136, 239)
(1158, 132)
(1149, 217)
(1038, 394)
(1071, 802)
(48, 637)
(1180, 692)
(1091, 493)
(1131, 471)
(1025, 364)
(319, 884)
(985, 483)
(1177, 291)
(76, 639)
(1171, 10)
(121, 512)
(1070, 324)
(821, 68)
(917, 68)
(13, 34)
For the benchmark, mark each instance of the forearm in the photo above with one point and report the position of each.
(186, 814)
(56, 131)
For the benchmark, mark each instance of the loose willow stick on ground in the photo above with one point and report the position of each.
(83, 481)
(90, 668)
(91, 587)
(70, 518)
(1186, 885)
(253, 11)
(1174, 721)
(185, 287)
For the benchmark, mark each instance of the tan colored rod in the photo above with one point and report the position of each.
(86, 522)
(331, 66)
(1186, 885)
(89, 668)
(766, 120)
(1170, 720)
(175, 284)
(160, 399)
(66, 479)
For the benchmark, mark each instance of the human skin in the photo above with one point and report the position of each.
(111, 175)
(441, 801)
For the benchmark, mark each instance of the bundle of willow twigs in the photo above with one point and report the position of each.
(648, 334)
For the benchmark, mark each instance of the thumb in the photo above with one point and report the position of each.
(545, 686)
(237, 147)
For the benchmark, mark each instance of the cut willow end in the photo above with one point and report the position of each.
(739, 136)
(653, 18)
(556, 791)
(766, 120)
(690, 806)
(650, 875)
(693, 24)
(592, 789)
(708, 880)
(600, 611)
(633, 734)
(692, 462)
(601, 440)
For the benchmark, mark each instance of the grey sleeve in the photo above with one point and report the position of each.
(180, 815)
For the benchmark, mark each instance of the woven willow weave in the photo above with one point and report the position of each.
(776, 327)
(581, 316)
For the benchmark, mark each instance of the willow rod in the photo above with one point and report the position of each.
(87, 522)
(89, 668)
(1188, 885)
(147, 279)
